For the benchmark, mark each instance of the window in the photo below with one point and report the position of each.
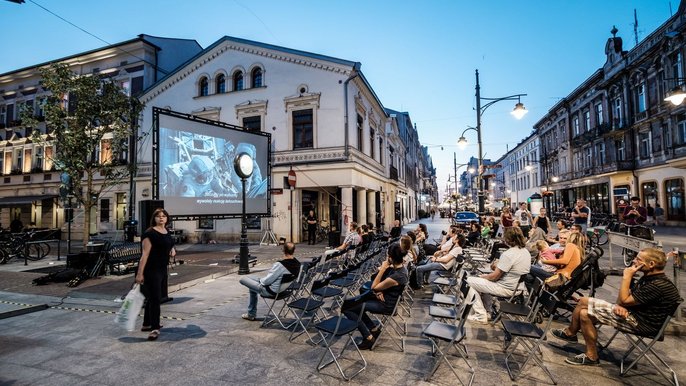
(38, 158)
(253, 123)
(105, 151)
(649, 193)
(674, 197)
(644, 144)
(237, 81)
(579, 161)
(256, 77)
(600, 153)
(675, 59)
(105, 210)
(587, 121)
(204, 87)
(681, 130)
(220, 84)
(136, 85)
(303, 129)
(617, 123)
(588, 160)
(360, 128)
(599, 114)
(18, 159)
(621, 154)
(3, 114)
(641, 97)
(381, 151)
(372, 145)
(576, 126)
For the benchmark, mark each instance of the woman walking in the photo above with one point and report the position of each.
(158, 247)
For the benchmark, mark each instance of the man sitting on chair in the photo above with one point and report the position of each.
(641, 310)
(271, 284)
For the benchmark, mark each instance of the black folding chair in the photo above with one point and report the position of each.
(530, 336)
(388, 320)
(521, 311)
(643, 345)
(333, 328)
(445, 337)
(283, 294)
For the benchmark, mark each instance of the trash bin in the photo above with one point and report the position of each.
(334, 238)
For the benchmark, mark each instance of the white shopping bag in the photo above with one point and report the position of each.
(130, 308)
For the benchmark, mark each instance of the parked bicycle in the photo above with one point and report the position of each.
(22, 246)
(322, 231)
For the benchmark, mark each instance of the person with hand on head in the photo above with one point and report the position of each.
(640, 309)
(524, 217)
(157, 248)
(386, 288)
(581, 214)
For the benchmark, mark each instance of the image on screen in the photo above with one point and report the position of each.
(195, 167)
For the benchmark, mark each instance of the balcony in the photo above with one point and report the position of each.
(394, 173)
(615, 166)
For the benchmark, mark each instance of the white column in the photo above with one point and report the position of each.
(371, 207)
(361, 206)
(346, 207)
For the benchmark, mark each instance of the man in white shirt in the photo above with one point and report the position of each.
(524, 216)
(503, 281)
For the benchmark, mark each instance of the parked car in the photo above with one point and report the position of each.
(465, 218)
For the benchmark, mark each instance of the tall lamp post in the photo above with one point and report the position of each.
(243, 165)
(518, 112)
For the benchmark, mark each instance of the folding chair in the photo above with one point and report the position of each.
(643, 348)
(451, 298)
(335, 327)
(452, 336)
(284, 293)
(521, 311)
(388, 320)
(530, 336)
(305, 306)
(451, 313)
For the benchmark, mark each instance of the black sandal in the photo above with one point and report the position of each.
(154, 335)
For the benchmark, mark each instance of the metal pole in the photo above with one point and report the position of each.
(244, 252)
(480, 193)
(70, 217)
(455, 176)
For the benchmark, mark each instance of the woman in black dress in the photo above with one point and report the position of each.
(158, 246)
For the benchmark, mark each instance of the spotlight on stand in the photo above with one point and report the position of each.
(243, 165)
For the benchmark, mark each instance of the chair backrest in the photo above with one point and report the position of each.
(536, 288)
(547, 302)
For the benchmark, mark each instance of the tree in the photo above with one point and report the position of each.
(89, 120)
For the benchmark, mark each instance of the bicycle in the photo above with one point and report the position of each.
(18, 246)
(640, 231)
(322, 231)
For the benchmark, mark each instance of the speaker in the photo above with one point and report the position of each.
(145, 209)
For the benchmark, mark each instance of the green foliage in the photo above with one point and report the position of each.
(78, 114)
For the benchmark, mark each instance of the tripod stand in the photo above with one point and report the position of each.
(268, 237)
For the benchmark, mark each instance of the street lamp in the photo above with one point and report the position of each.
(243, 165)
(677, 94)
(518, 112)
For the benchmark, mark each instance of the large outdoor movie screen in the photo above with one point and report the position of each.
(195, 167)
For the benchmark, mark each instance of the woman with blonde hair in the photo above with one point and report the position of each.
(573, 255)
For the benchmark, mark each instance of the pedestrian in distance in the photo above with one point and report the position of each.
(524, 217)
(581, 214)
(542, 221)
(311, 228)
(659, 215)
(157, 248)
(635, 214)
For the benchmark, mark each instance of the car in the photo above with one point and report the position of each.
(465, 218)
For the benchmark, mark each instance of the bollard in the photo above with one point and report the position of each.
(677, 270)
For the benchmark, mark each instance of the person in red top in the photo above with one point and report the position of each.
(635, 214)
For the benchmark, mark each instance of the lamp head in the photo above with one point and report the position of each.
(471, 170)
(556, 178)
(528, 168)
(676, 96)
(243, 165)
(519, 110)
(462, 142)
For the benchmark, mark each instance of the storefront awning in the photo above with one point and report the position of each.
(23, 200)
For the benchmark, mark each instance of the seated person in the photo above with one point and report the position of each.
(561, 239)
(503, 281)
(441, 261)
(545, 253)
(641, 309)
(474, 233)
(486, 230)
(443, 248)
(396, 230)
(413, 250)
(271, 284)
(386, 288)
(573, 255)
(352, 239)
(366, 236)
(407, 245)
(560, 226)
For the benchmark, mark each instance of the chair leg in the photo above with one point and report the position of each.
(334, 357)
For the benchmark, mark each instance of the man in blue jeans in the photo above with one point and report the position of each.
(272, 283)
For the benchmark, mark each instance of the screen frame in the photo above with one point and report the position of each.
(156, 112)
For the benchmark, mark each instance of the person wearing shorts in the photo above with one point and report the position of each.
(641, 310)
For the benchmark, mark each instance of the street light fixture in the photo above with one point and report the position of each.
(677, 94)
(243, 165)
(518, 112)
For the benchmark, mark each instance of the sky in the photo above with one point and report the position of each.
(419, 56)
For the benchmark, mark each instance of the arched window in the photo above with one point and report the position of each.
(237, 81)
(204, 87)
(256, 77)
(221, 84)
